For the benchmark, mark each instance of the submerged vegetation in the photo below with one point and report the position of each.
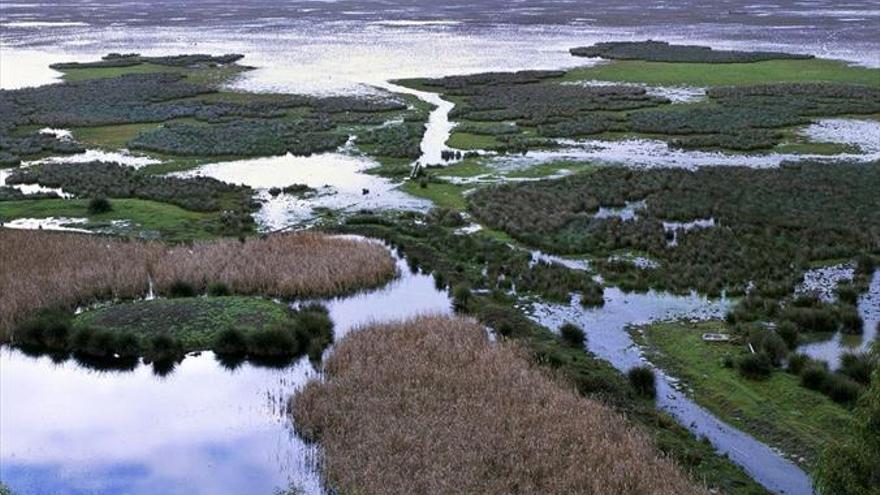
(62, 271)
(481, 411)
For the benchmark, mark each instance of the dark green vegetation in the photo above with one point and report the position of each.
(401, 140)
(458, 261)
(515, 112)
(775, 408)
(778, 220)
(229, 206)
(166, 329)
(112, 180)
(132, 59)
(661, 51)
(643, 381)
(850, 463)
(182, 91)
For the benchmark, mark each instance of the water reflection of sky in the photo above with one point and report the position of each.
(200, 430)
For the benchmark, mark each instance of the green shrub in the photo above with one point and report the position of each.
(163, 348)
(841, 388)
(788, 331)
(572, 335)
(179, 288)
(755, 366)
(814, 376)
(230, 342)
(127, 345)
(797, 363)
(850, 320)
(643, 381)
(46, 329)
(858, 366)
(276, 341)
(218, 289)
(100, 205)
(461, 296)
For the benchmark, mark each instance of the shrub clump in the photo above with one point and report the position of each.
(572, 335)
(755, 366)
(100, 205)
(643, 381)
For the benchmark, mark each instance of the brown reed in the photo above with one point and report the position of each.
(431, 406)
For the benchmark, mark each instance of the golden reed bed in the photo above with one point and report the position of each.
(430, 406)
(50, 269)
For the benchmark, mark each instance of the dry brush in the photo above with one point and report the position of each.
(431, 406)
(60, 270)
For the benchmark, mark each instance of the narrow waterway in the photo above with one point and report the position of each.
(608, 338)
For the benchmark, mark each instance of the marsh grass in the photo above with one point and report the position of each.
(60, 271)
(430, 406)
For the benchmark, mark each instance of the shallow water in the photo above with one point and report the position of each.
(607, 337)
(869, 308)
(651, 153)
(203, 429)
(339, 178)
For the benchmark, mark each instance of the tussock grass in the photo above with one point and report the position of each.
(430, 406)
(60, 270)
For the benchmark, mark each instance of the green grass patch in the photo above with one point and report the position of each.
(771, 71)
(147, 218)
(210, 76)
(777, 410)
(467, 141)
(193, 321)
(551, 168)
(441, 193)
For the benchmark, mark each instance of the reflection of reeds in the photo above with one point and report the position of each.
(430, 406)
(43, 269)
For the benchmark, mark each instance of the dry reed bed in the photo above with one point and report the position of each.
(49, 269)
(430, 406)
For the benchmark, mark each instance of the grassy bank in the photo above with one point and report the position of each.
(432, 407)
(709, 74)
(145, 218)
(57, 270)
(778, 410)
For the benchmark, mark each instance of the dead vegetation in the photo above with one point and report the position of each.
(60, 270)
(430, 406)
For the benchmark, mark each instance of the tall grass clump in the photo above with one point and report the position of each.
(471, 417)
(643, 381)
(572, 335)
(63, 270)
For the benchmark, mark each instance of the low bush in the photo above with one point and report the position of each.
(814, 376)
(218, 289)
(841, 388)
(643, 381)
(755, 366)
(850, 320)
(797, 363)
(279, 340)
(788, 332)
(230, 342)
(572, 335)
(461, 296)
(100, 205)
(859, 366)
(661, 51)
(180, 288)
(163, 348)
(46, 329)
